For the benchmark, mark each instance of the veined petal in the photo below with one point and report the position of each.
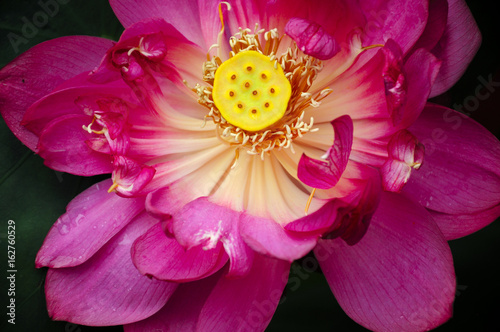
(91, 220)
(399, 277)
(182, 310)
(458, 45)
(435, 27)
(245, 303)
(39, 70)
(402, 21)
(312, 39)
(182, 14)
(107, 289)
(460, 175)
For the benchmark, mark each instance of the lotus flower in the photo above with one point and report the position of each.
(240, 136)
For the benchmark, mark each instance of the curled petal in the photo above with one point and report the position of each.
(312, 39)
(129, 177)
(202, 223)
(63, 146)
(325, 174)
(155, 254)
(405, 153)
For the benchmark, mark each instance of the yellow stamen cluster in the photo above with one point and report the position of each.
(300, 70)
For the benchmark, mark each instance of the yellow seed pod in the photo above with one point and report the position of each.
(250, 92)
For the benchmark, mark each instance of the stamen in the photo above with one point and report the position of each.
(308, 204)
(113, 187)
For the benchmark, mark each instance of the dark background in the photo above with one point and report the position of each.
(34, 196)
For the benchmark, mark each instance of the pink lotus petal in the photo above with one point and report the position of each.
(403, 21)
(460, 175)
(202, 223)
(246, 303)
(182, 309)
(455, 226)
(38, 71)
(457, 46)
(405, 153)
(421, 69)
(318, 222)
(62, 145)
(436, 25)
(325, 174)
(63, 101)
(312, 39)
(184, 15)
(154, 254)
(130, 176)
(269, 238)
(107, 289)
(91, 220)
(399, 277)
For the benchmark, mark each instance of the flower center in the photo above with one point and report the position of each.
(258, 96)
(250, 92)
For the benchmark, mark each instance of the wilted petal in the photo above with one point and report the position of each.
(399, 277)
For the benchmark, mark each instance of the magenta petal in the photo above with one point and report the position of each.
(325, 174)
(403, 21)
(312, 39)
(460, 174)
(319, 221)
(39, 70)
(457, 46)
(202, 223)
(155, 254)
(269, 238)
(455, 226)
(421, 69)
(436, 25)
(399, 277)
(107, 289)
(62, 145)
(92, 218)
(405, 153)
(184, 15)
(246, 304)
(182, 309)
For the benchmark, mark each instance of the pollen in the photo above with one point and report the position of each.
(247, 82)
